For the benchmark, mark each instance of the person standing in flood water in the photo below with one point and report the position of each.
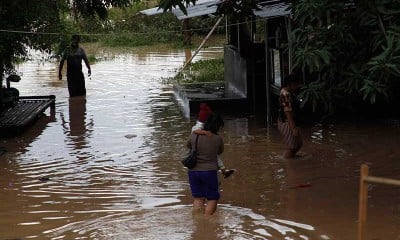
(286, 120)
(204, 112)
(203, 178)
(74, 55)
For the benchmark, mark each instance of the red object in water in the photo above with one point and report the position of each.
(304, 185)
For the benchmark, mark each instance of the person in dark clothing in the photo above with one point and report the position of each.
(74, 55)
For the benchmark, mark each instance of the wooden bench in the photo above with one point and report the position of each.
(15, 120)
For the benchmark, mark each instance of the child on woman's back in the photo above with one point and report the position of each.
(204, 112)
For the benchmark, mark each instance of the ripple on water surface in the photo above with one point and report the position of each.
(179, 222)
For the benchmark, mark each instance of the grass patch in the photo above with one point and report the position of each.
(210, 70)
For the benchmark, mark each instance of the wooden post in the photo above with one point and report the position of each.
(188, 54)
(226, 30)
(267, 75)
(363, 197)
(363, 200)
(186, 32)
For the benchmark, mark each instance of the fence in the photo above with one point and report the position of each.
(363, 197)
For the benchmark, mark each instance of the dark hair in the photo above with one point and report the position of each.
(214, 123)
(76, 37)
(291, 78)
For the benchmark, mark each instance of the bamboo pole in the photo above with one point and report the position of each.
(202, 43)
(380, 180)
(363, 200)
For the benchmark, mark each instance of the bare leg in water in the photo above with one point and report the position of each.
(198, 204)
(291, 153)
(209, 207)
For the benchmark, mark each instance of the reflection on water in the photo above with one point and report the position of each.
(106, 166)
(77, 127)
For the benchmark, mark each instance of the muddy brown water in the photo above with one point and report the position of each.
(107, 166)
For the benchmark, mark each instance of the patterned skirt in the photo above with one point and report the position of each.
(291, 141)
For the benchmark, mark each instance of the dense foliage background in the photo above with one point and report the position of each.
(350, 52)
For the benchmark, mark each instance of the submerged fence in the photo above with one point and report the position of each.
(363, 197)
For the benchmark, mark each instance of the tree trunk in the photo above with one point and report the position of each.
(186, 32)
(1, 84)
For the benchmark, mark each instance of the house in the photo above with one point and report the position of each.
(254, 64)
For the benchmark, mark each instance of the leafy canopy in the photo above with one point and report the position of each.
(350, 52)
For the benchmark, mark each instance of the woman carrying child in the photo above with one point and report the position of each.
(203, 178)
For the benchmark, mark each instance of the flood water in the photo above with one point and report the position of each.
(107, 166)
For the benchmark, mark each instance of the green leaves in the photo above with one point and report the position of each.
(346, 52)
(387, 62)
(313, 59)
(90, 8)
(313, 94)
(315, 12)
(381, 70)
(23, 22)
(371, 89)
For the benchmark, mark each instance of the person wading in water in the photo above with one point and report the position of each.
(286, 119)
(74, 55)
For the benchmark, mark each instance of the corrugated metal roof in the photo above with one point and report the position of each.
(205, 7)
(202, 7)
(152, 11)
(273, 10)
(267, 9)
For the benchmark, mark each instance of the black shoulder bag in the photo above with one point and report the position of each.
(191, 160)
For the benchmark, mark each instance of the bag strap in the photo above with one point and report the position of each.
(197, 139)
